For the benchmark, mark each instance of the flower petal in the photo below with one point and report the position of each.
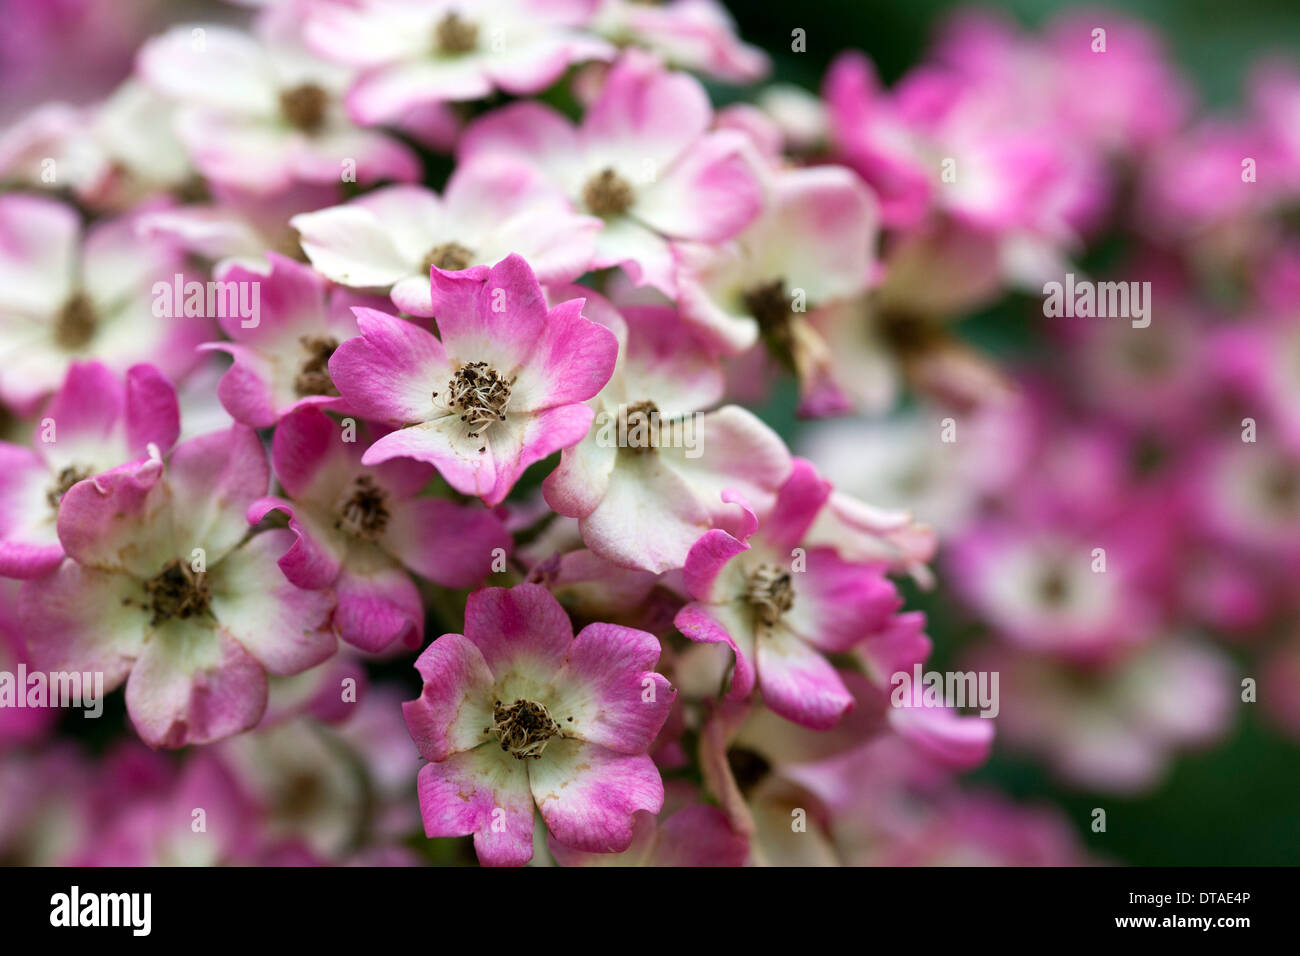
(589, 796)
(460, 795)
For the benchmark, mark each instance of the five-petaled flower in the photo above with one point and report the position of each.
(504, 387)
(518, 712)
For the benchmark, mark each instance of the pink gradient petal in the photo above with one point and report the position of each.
(454, 707)
(389, 371)
(378, 604)
(458, 796)
(604, 687)
(194, 684)
(76, 620)
(213, 479)
(588, 795)
(281, 625)
(798, 683)
(521, 629)
(452, 545)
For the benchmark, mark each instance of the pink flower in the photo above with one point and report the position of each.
(490, 209)
(413, 53)
(360, 529)
(65, 297)
(696, 835)
(157, 827)
(644, 497)
(518, 712)
(18, 725)
(946, 142)
(1115, 728)
(643, 160)
(95, 422)
(262, 114)
(870, 135)
(695, 35)
(780, 607)
(1043, 586)
(503, 387)
(282, 353)
(814, 244)
(238, 225)
(164, 590)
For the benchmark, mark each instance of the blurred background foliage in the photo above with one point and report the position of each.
(1238, 803)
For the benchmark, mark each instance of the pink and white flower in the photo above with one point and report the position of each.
(493, 207)
(95, 422)
(695, 35)
(260, 114)
(360, 530)
(238, 227)
(814, 244)
(503, 387)
(65, 296)
(1115, 728)
(643, 160)
(781, 607)
(413, 53)
(282, 354)
(642, 502)
(164, 590)
(518, 712)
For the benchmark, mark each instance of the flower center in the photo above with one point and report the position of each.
(451, 256)
(1282, 486)
(177, 592)
(313, 376)
(75, 324)
(67, 478)
(607, 193)
(304, 107)
(770, 592)
(362, 513)
(453, 35)
(907, 334)
(641, 424)
(1053, 587)
(768, 303)
(481, 393)
(524, 728)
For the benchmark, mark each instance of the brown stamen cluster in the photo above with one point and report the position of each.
(768, 303)
(451, 256)
(524, 728)
(607, 194)
(363, 512)
(75, 324)
(304, 106)
(67, 478)
(481, 393)
(1282, 486)
(770, 592)
(453, 35)
(177, 592)
(313, 376)
(908, 334)
(1053, 587)
(637, 417)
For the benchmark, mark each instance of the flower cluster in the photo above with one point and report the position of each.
(364, 334)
